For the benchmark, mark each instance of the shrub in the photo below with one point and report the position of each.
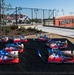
(34, 29)
(19, 33)
(13, 27)
(16, 26)
(38, 31)
(7, 30)
(29, 28)
(22, 29)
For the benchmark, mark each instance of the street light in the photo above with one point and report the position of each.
(71, 13)
(62, 12)
(36, 10)
(56, 13)
(19, 9)
(49, 14)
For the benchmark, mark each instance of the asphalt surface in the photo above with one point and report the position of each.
(31, 64)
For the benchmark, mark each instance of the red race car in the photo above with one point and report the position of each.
(66, 57)
(4, 39)
(20, 39)
(14, 47)
(57, 44)
(56, 56)
(9, 57)
(43, 38)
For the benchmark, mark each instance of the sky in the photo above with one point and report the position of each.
(66, 5)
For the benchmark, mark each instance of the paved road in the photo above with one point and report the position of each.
(59, 31)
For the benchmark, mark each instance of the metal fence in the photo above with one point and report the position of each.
(31, 16)
(27, 16)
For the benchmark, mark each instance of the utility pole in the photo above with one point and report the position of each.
(32, 16)
(0, 18)
(3, 12)
(36, 10)
(0, 12)
(16, 15)
(43, 17)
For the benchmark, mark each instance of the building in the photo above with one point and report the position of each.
(64, 21)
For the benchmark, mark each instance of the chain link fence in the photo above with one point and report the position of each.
(26, 16)
(31, 16)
